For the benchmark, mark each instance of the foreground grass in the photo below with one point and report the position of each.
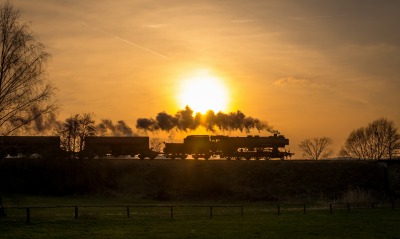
(362, 223)
(259, 221)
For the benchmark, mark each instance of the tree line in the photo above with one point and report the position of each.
(378, 140)
(26, 96)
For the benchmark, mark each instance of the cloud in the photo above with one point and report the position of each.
(153, 26)
(292, 82)
(246, 20)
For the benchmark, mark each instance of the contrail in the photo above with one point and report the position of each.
(311, 17)
(246, 20)
(284, 18)
(126, 41)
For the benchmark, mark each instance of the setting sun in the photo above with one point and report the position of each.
(203, 91)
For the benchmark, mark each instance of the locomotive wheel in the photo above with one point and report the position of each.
(196, 157)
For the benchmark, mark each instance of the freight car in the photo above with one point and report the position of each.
(26, 146)
(199, 146)
(204, 146)
(116, 146)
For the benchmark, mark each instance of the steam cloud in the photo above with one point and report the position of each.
(45, 124)
(184, 120)
(35, 122)
(106, 127)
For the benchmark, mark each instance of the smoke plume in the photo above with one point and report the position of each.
(35, 122)
(106, 127)
(184, 120)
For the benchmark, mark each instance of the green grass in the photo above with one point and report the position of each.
(259, 221)
(366, 224)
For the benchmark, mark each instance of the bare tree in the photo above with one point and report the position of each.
(316, 148)
(156, 144)
(25, 94)
(379, 140)
(74, 131)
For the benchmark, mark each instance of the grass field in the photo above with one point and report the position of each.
(258, 221)
(376, 223)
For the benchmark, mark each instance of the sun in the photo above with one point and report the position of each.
(202, 92)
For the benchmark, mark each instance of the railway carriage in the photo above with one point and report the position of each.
(26, 146)
(116, 146)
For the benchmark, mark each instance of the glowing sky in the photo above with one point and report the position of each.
(309, 67)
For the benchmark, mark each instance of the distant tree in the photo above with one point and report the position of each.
(74, 131)
(25, 94)
(316, 148)
(156, 144)
(379, 140)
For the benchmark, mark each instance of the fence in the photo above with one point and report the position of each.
(173, 211)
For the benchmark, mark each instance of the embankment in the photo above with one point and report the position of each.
(195, 180)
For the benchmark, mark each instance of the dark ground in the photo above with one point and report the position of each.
(305, 181)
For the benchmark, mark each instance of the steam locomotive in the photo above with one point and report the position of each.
(204, 146)
(198, 146)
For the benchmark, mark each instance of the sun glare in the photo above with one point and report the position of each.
(203, 92)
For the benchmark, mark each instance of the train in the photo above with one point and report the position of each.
(196, 146)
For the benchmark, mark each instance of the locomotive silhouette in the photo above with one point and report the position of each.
(196, 146)
(205, 146)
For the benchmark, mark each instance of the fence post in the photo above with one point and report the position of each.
(304, 208)
(172, 212)
(76, 212)
(241, 210)
(28, 215)
(279, 209)
(393, 206)
(330, 208)
(348, 207)
(127, 212)
(211, 212)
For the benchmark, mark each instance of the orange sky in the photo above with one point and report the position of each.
(309, 68)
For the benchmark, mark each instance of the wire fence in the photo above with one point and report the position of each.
(30, 213)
